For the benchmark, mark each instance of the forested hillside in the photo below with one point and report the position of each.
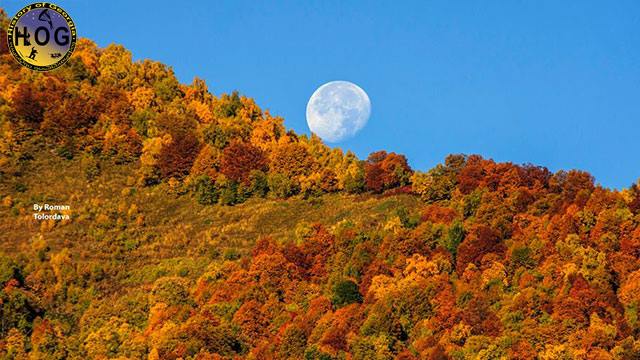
(201, 228)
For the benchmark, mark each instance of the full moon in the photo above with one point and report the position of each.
(337, 110)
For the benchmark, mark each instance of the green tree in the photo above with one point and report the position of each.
(205, 190)
(345, 292)
(281, 186)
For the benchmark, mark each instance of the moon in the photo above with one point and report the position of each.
(337, 110)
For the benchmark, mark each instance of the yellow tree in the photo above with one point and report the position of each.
(115, 67)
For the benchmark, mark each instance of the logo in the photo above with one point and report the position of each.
(41, 36)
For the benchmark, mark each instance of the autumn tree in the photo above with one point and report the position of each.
(281, 186)
(27, 104)
(574, 185)
(88, 53)
(386, 170)
(239, 159)
(475, 259)
(291, 159)
(328, 180)
(353, 178)
(345, 292)
(115, 67)
(176, 159)
(4, 49)
(635, 200)
(72, 115)
(374, 177)
(479, 241)
(472, 174)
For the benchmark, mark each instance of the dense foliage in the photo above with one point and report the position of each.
(201, 229)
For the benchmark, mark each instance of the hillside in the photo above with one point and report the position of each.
(199, 227)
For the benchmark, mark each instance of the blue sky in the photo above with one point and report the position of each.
(546, 82)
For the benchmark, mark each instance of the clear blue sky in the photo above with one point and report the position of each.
(547, 82)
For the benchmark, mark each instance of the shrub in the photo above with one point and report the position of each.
(8, 270)
(205, 190)
(90, 166)
(281, 185)
(353, 181)
(227, 190)
(258, 183)
(406, 219)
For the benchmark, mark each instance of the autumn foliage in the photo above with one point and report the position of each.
(239, 159)
(386, 170)
(206, 230)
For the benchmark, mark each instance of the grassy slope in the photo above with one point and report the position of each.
(177, 236)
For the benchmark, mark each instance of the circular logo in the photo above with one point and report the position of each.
(41, 36)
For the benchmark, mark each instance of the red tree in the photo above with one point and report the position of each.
(635, 203)
(472, 174)
(176, 159)
(4, 49)
(386, 170)
(27, 104)
(239, 159)
(480, 241)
